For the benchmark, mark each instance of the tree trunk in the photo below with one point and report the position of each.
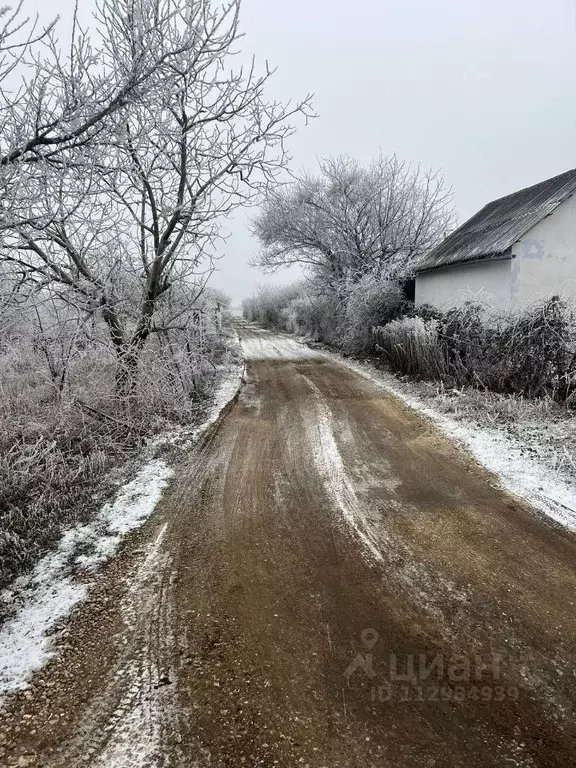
(127, 356)
(127, 348)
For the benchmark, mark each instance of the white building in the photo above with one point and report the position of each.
(515, 252)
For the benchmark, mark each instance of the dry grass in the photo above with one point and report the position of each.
(412, 347)
(545, 429)
(61, 452)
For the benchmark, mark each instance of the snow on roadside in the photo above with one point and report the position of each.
(552, 495)
(50, 592)
(46, 596)
(143, 713)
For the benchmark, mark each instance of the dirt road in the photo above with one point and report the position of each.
(327, 582)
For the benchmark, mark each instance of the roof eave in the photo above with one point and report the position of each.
(479, 260)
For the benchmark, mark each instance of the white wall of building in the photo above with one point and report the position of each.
(545, 259)
(485, 282)
(543, 264)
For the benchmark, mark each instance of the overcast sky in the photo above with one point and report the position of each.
(484, 90)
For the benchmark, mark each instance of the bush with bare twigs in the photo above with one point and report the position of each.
(345, 320)
(371, 303)
(532, 353)
(65, 438)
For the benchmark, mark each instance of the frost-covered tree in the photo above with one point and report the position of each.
(351, 221)
(52, 101)
(123, 220)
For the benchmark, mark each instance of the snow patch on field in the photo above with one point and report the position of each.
(48, 595)
(42, 599)
(526, 477)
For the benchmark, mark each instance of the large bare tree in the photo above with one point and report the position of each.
(126, 218)
(351, 221)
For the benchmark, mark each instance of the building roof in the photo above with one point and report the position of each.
(493, 230)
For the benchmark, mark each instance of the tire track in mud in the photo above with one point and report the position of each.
(410, 575)
(126, 724)
(319, 509)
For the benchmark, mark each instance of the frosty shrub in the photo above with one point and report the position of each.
(345, 318)
(530, 354)
(52, 455)
(64, 437)
(319, 317)
(412, 347)
(371, 303)
(294, 309)
(267, 307)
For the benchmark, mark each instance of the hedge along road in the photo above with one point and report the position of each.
(327, 582)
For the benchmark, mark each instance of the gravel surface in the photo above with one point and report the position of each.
(327, 581)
